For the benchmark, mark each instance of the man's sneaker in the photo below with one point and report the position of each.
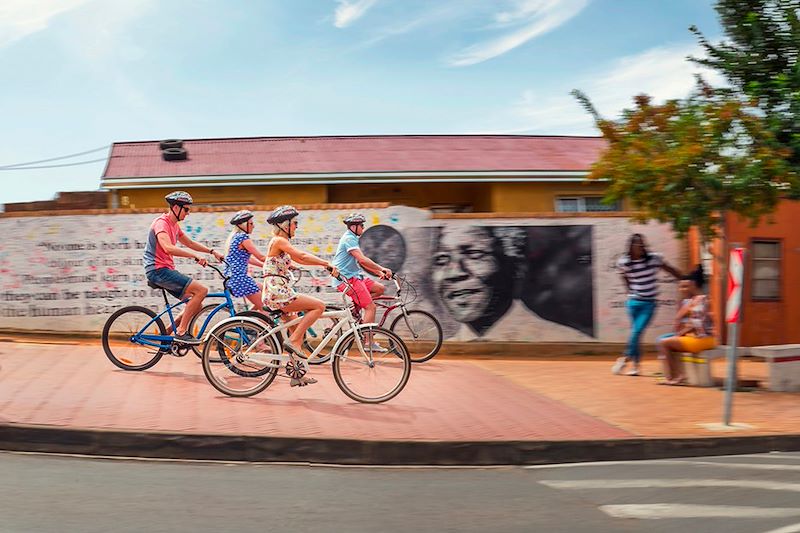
(619, 366)
(186, 338)
(632, 372)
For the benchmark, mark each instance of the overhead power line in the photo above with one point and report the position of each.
(54, 166)
(69, 156)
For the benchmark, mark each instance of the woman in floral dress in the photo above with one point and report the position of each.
(278, 290)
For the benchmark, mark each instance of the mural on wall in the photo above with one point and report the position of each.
(516, 280)
(483, 281)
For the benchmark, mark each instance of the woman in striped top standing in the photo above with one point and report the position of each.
(639, 268)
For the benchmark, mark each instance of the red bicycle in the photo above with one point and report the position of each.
(419, 329)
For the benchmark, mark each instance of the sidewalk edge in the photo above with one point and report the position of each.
(187, 446)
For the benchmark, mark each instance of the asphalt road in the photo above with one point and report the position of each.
(757, 493)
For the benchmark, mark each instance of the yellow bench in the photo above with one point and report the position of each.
(698, 365)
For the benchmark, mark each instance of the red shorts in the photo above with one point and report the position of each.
(362, 297)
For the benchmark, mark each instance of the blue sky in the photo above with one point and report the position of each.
(81, 74)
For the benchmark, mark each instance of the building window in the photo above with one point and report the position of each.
(584, 204)
(766, 274)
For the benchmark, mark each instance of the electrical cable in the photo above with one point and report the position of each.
(4, 167)
(55, 166)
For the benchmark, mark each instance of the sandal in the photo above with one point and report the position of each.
(672, 382)
(291, 349)
(301, 382)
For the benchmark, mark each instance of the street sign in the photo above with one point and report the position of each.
(735, 273)
(732, 315)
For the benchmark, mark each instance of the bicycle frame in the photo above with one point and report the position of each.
(345, 323)
(163, 341)
(388, 308)
(160, 340)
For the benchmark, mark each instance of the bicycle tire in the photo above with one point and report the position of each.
(223, 350)
(229, 335)
(407, 330)
(395, 356)
(130, 329)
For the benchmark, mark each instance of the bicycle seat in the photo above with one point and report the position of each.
(153, 285)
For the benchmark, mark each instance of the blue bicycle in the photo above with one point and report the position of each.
(135, 338)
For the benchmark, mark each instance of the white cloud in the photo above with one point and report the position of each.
(19, 18)
(531, 18)
(101, 32)
(349, 11)
(661, 72)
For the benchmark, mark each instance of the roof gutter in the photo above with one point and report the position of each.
(343, 178)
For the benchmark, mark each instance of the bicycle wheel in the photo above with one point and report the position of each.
(119, 342)
(421, 332)
(247, 365)
(376, 374)
(200, 318)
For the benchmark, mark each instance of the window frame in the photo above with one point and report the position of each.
(581, 201)
(752, 264)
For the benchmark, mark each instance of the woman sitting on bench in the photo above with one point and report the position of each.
(694, 331)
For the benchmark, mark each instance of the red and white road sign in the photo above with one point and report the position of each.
(735, 276)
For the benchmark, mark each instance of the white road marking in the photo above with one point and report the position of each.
(657, 511)
(749, 466)
(776, 455)
(794, 528)
(668, 483)
(666, 462)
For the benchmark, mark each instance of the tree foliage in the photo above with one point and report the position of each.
(687, 161)
(760, 59)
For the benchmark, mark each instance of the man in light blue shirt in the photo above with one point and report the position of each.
(352, 262)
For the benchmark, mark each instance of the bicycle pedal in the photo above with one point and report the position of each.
(178, 351)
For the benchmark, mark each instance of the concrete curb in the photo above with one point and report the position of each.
(163, 445)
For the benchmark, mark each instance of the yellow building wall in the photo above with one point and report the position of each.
(478, 197)
(422, 195)
(229, 195)
(538, 197)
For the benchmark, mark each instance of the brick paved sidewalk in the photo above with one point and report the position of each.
(74, 385)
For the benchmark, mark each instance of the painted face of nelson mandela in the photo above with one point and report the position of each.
(469, 277)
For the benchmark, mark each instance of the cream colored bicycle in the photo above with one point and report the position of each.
(242, 357)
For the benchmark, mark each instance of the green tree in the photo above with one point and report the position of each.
(760, 58)
(688, 161)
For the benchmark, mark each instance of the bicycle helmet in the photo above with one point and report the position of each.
(241, 216)
(282, 214)
(179, 198)
(354, 218)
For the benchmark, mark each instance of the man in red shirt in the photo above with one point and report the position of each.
(159, 266)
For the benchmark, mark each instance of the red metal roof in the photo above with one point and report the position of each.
(357, 154)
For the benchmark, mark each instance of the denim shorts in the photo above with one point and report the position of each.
(170, 280)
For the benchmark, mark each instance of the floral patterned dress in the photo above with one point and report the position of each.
(700, 317)
(278, 291)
